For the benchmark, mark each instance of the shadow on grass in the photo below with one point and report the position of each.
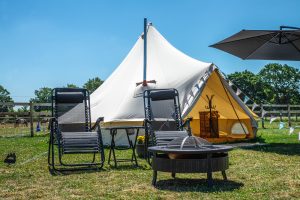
(65, 172)
(197, 185)
(129, 167)
(279, 148)
(260, 144)
(95, 170)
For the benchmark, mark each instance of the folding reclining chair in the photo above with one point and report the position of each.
(163, 121)
(72, 132)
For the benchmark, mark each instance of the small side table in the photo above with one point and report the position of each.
(113, 132)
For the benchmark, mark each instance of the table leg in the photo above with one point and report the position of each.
(131, 146)
(113, 149)
(130, 143)
(111, 144)
(133, 157)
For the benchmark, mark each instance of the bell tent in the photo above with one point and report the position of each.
(120, 98)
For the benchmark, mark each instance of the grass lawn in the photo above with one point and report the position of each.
(271, 171)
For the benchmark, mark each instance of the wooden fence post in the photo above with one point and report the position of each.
(289, 115)
(31, 119)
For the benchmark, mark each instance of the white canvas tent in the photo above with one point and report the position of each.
(119, 99)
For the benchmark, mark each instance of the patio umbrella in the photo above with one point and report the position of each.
(263, 44)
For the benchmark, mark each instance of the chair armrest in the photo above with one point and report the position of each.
(146, 121)
(97, 123)
(188, 125)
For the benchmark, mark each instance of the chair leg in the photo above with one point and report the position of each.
(102, 154)
(49, 153)
(154, 177)
(224, 175)
(102, 158)
(94, 158)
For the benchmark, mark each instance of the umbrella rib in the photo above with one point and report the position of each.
(292, 43)
(242, 39)
(289, 41)
(260, 47)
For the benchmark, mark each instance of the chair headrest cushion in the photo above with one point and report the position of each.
(69, 97)
(162, 95)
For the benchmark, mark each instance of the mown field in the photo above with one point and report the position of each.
(271, 171)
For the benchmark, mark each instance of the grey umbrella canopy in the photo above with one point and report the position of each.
(263, 44)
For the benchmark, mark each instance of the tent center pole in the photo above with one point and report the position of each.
(145, 53)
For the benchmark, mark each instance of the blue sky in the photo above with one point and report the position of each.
(56, 42)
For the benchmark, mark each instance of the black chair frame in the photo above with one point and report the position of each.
(161, 95)
(56, 136)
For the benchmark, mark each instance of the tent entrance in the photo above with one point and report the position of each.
(227, 114)
(209, 126)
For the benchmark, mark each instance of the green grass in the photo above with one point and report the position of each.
(271, 171)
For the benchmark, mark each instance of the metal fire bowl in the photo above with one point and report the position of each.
(205, 149)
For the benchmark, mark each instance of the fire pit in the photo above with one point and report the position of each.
(190, 155)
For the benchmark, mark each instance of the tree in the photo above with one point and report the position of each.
(72, 86)
(5, 97)
(250, 84)
(23, 109)
(42, 95)
(92, 84)
(281, 83)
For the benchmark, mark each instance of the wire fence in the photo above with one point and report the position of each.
(279, 112)
(33, 118)
(24, 119)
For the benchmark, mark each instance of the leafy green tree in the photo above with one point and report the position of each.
(281, 83)
(72, 86)
(42, 95)
(250, 84)
(5, 97)
(23, 109)
(92, 84)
